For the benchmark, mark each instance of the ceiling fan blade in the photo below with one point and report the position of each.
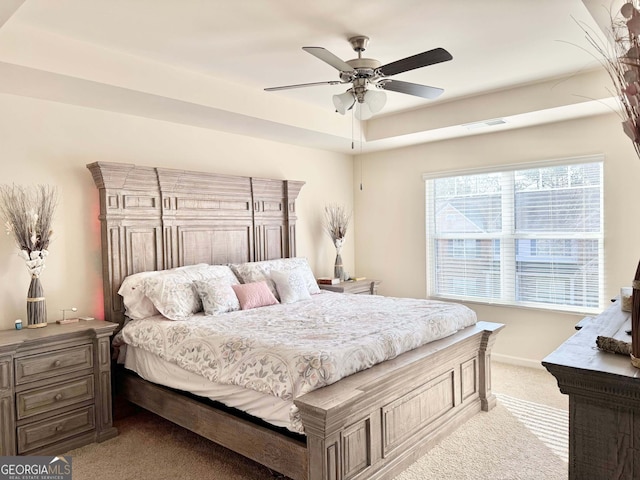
(328, 57)
(423, 91)
(437, 55)
(300, 85)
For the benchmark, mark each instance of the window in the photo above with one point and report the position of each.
(531, 236)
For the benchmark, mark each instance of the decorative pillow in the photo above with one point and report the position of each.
(257, 271)
(217, 295)
(137, 305)
(174, 296)
(253, 295)
(291, 285)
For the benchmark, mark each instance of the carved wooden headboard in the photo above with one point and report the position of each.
(160, 218)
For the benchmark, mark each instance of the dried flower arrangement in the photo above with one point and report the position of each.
(621, 59)
(28, 215)
(622, 64)
(336, 223)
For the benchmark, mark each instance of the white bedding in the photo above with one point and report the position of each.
(273, 410)
(288, 350)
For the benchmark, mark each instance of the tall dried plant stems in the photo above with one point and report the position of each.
(621, 60)
(336, 221)
(28, 214)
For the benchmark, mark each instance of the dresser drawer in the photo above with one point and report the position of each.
(51, 430)
(44, 399)
(46, 365)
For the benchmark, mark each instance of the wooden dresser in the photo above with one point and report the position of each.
(55, 388)
(365, 287)
(604, 400)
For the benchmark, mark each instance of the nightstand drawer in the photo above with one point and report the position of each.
(46, 365)
(45, 399)
(51, 430)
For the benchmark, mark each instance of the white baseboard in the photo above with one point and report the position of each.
(521, 362)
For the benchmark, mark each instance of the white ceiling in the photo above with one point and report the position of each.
(206, 62)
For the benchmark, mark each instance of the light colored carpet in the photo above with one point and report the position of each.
(523, 438)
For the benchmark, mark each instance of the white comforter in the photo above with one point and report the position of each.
(289, 350)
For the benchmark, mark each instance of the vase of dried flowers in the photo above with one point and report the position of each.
(338, 268)
(621, 59)
(28, 214)
(336, 223)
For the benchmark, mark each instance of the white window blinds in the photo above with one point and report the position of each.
(529, 237)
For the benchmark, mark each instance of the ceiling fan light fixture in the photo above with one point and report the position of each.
(363, 111)
(372, 102)
(375, 99)
(344, 102)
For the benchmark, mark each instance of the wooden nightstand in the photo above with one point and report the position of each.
(364, 287)
(55, 388)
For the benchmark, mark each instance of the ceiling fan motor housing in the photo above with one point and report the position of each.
(359, 43)
(364, 68)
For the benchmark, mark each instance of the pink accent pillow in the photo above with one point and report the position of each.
(253, 295)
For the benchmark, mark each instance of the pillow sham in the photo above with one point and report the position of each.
(174, 296)
(254, 295)
(258, 271)
(217, 296)
(148, 293)
(136, 304)
(291, 285)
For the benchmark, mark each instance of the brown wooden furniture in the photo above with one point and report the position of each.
(55, 388)
(369, 425)
(364, 287)
(604, 400)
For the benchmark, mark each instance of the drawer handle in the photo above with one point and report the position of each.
(57, 363)
(59, 428)
(58, 397)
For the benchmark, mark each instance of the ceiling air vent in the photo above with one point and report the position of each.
(484, 123)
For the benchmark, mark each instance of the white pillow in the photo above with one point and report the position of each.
(291, 285)
(138, 305)
(257, 271)
(217, 295)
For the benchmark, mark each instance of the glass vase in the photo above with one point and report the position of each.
(338, 270)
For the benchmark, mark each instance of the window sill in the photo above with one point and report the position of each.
(538, 307)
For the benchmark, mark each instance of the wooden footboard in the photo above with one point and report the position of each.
(375, 423)
(370, 425)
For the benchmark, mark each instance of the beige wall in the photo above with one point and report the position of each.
(47, 142)
(390, 210)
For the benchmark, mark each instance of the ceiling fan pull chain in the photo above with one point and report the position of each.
(352, 130)
(361, 164)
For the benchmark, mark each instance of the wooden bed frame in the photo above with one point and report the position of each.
(370, 425)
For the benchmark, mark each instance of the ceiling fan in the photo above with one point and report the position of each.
(368, 72)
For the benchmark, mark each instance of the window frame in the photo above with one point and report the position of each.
(508, 257)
